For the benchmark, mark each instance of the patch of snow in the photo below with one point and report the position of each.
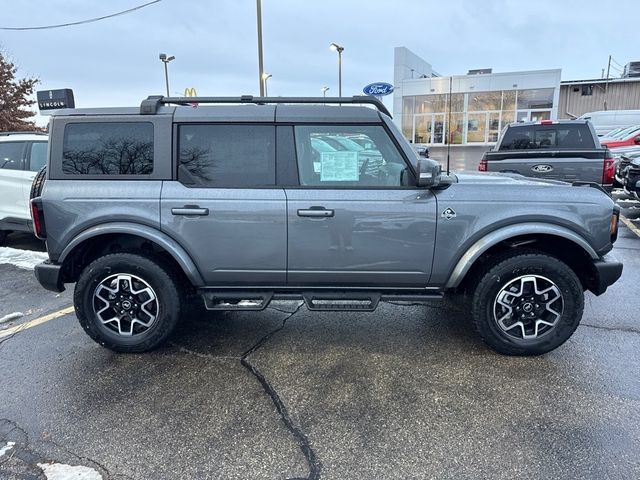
(11, 316)
(61, 471)
(26, 259)
(6, 448)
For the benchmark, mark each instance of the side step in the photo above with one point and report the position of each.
(222, 300)
(315, 300)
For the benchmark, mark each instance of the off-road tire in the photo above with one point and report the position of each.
(38, 183)
(163, 280)
(515, 265)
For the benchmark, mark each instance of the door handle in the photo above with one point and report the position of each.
(316, 212)
(190, 210)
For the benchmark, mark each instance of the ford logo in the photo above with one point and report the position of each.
(542, 168)
(378, 89)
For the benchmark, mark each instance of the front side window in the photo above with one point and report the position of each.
(114, 148)
(349, 156)
(38, 156)
(227, 155)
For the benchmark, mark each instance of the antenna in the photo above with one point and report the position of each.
(449, 126)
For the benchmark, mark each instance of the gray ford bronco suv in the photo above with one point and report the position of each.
(235, 202)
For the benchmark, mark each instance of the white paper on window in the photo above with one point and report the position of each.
(339, 167)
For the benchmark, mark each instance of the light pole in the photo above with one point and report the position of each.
(324, 91)
(265, 77)
(164, 59)
(337, 48)
(260, 65)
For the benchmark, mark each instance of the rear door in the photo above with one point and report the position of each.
(355, 219)
(13, 206)
(224, 207)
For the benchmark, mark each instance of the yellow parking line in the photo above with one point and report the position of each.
(35, 322)
(630, 224)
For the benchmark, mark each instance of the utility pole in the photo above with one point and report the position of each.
(260, 63)
(606, 83)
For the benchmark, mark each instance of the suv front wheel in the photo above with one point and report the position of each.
(128, 302)
(527, 304)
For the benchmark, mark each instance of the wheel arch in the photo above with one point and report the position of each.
(123, 236)
(553, 239)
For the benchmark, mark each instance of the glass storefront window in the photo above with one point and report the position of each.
(508, 100)
(483, 101)
(507, 118)
(423, 129)
(456, 129)
(538, 116)
(494, 127)
(476, 127)
(539, 98)
(430, 103)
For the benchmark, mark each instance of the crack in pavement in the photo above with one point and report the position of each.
(315, 466)
(615, 329)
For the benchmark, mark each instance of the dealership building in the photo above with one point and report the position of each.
(480, 103)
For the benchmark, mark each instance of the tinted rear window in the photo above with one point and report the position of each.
(556, 137)
(114, 148)
(227, 155)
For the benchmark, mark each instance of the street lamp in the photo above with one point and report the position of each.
(324, 91)
(164, 59)
(337, 48)
(265, 77)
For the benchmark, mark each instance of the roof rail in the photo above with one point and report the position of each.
(150, 105)
(4, 134)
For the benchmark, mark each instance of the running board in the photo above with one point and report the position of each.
(341, 301)
(315, 300)
(216, 300)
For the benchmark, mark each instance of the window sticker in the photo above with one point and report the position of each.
(339, 167)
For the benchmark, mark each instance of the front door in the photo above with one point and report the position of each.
(224, 208)
(356, 220)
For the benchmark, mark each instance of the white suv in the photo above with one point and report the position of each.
(22, 155)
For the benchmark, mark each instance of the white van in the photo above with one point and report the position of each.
(606, 120)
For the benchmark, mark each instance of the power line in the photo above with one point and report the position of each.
(81, 22)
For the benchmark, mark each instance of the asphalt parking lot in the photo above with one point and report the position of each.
(406, 392)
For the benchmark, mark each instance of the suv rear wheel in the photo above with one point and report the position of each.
(527, 304)
(128, 302)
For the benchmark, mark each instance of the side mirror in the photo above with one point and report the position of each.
(428, 173)
(637, 140)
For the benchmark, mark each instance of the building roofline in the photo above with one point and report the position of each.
(600, 80)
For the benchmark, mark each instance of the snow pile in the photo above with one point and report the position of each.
(26, 259)
(61, 471)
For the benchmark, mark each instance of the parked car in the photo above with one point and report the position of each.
(630, 139)
(226, 203)
(606, 120)
(22, 154)
(622, 161)
(566, 150)
(631, 179)
(421, 150)
(621, 133)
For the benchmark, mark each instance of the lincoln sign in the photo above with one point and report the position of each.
(55, 99)
(378, 89)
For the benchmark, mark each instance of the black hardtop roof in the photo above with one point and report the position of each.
(248, 109)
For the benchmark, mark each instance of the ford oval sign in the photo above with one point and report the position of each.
(542, 168)
(378, 89)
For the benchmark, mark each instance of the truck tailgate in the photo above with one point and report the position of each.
(565, 165)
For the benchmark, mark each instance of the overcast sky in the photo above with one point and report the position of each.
(115, 61)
